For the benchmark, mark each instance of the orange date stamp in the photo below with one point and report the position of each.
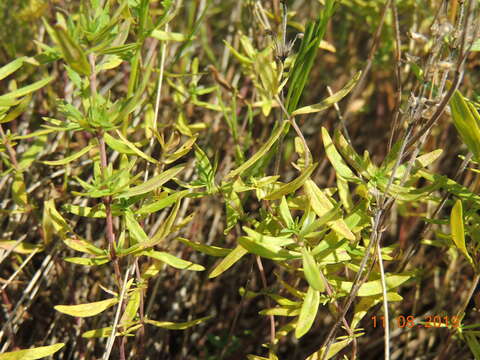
(410, 321)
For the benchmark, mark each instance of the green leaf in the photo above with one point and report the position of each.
(458, 232)
(19, 110)
(321, 205)
(292, 186)
(134, 228)
(177, 326)
(374, 287)
(466, 121)
(334, 349)
(169, 36)
(206, 249)
(312, 271)
(285, 214)
(136, 150)
(31, 154)
(96, 261)
(27, 89)
(19, 191)
(32, 354)
(72, 51)
(173, 261)
(97, 211)
(20, 248)
(11, 67)
(132, 307)
(281, 311)
(83, 246)
(336, 159)
(153, 183)
(475, 46)
(308, 312)
(260, 153)
(365, 303)
(265, 250)
(86, 310)
(326, 103)
(98, 333)
(229, 260)
(162, 203)
(117, 145)
(70, 158)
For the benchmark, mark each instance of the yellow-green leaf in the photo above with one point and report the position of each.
(27, 89)
(20, 248)
(308, 312)
(229, 260)
(321, 205)
(281, 311)
(465, 121)
(117, 145)
(19, 192)
(168, 36)
(292, 186)
(325, 104)
(312, 271)
(72, 51)
(11, 67)
(173, 261)
(162, 203)
(334, 349)
(335, 158)
(371, 288)
(83, 246)
(177, 326)
(136, 150)
(96, 261)
(206, 249)
(32, 354)
(458, 231)
(260, 153)
(70, 158)
(267, 251)
(86, 310)
(153, 183)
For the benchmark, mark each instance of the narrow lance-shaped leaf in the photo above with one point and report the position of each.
(70, 158)
(260, 153)
(229, 260)
(32, 354)
(374, 287)
(19, 192)
(136, 150)
(326, 103)
(20, 247)
(206, 249)
(177, 326)
(153, 183)
(162, 203)
(86, 310)
(321, 205)
(173, 261)
(11, 67)
(27, 89)
(335, 158)
(72, 51)
(292, 186)
(466, 123)
(311, 271)
(308, 312)
(458, 232)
